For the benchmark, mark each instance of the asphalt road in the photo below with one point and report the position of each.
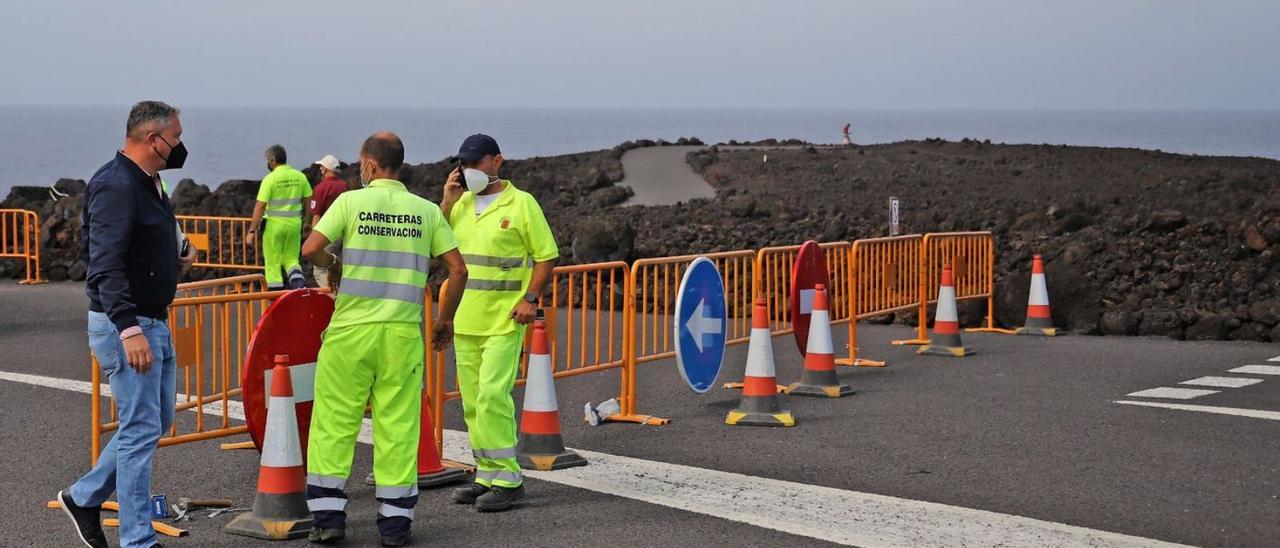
(1027, 427)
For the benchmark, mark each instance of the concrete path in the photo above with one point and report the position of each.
(661, 176)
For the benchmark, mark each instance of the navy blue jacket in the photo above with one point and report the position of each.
(129, 243)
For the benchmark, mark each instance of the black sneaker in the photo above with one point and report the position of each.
(499, 498)
(87, 521)
(469, 494)
(320, 535)
(398, 540)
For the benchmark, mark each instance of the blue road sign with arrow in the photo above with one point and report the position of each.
(700, 325)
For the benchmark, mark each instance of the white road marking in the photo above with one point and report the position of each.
(824, 513)
(1223, 382)
(1172, 393)
(1236, 411)
(1275, 359)
(1257, 370)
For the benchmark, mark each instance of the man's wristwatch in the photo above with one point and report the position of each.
(530, 298)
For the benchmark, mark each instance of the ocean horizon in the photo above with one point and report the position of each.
(40, 144)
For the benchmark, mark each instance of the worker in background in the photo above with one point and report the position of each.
(327, 190)
(373, 349)
(281, 197)
(510, 253)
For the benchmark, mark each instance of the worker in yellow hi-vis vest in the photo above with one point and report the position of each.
(510, 251)
(373, 349)
(281, 197)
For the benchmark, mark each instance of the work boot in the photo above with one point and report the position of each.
(87, 520)
(320, 535)
(396, 540)
(469, 494)
(499, 498)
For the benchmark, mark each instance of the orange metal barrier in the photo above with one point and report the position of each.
(772, 281)
(20, 239)
(606, 316)
(883, 277)
(211, 330)
(972, 258)
(222, 242)
(651, 300)
(586, 327)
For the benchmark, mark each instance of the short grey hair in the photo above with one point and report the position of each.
(146, 114)
(276, 154)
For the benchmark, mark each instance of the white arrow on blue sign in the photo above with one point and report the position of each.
(700, 325)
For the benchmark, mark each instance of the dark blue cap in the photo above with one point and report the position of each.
(476, 147)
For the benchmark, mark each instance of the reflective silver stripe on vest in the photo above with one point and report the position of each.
(495, 285)
(498, 475)
(386, 259)
(282, 213)
(327, 482)
(395, 492)
(392, 511)
(505, 263)
(382, 290)
(508, 453)
(285, 202)
(332, 504)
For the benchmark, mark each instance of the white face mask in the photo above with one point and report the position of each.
(476, 180)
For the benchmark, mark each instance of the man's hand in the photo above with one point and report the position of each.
(441, 335)
(335, 276)
(190, 258)
(252, 235)
(453, 188)
(524, 312)
(138, 352)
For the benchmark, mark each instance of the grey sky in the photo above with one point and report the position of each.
(909, 54)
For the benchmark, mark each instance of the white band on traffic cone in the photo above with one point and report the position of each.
(280, 446)
(539, 388)
(760, 354)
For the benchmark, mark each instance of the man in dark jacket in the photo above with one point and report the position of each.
(134, 254)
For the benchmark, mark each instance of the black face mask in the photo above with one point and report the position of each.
(177, 155)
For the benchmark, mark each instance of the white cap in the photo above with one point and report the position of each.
(329, 162)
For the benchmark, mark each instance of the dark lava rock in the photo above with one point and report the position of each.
(1162, 322)
(1266, 312)
(57, 273)
(1209, 327)
(1120, 322)
(1254, 239)
(1166, 221)
(740, 206)
(76, 271)
(613, 195)
(597, 241)
(189, 196)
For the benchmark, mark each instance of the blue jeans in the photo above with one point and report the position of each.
(144, 403)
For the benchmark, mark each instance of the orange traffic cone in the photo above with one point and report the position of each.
(280, 509)
(1039, 322)
(541, 447)
(946, 325)
(431, 470)
(759, 405)
(819, 376)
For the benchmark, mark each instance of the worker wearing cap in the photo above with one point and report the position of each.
(331, 185)
(510, 251)
(281, 196)
(373, 348)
